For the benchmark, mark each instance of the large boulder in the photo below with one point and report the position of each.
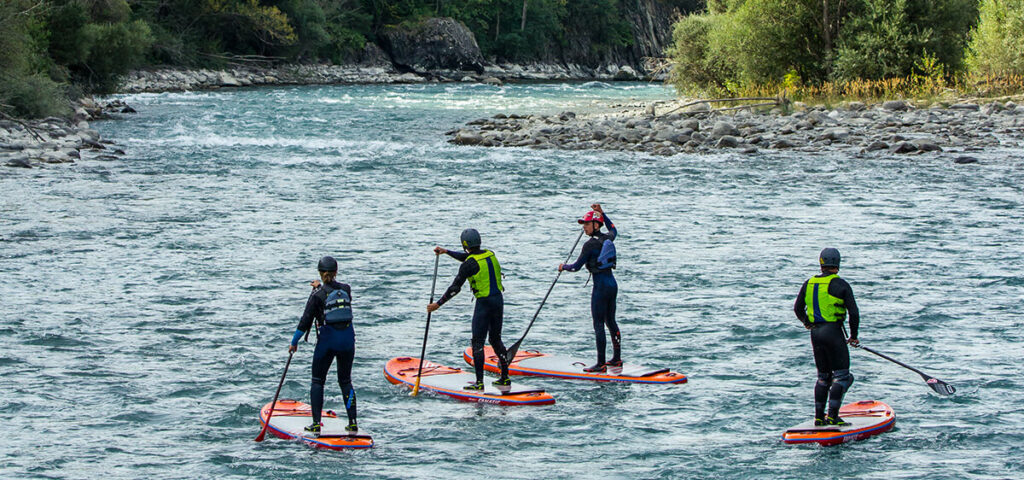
(433, 44)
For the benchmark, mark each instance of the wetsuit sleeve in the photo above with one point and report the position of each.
(844, 291)
(590, 249)
(613, 232)
(800, 306)
(468, 269)
(314, 311)
(460, 256)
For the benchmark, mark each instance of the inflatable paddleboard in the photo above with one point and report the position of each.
(292, 416)
(449, 381)
(867, 418)
(531, 362)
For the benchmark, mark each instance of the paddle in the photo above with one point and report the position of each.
(940, 387)
(511, 353)
(423, 352)
(259, 438)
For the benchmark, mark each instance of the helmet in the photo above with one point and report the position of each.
(327, 264)
(829, 257)
(470, 238)
(592, 216)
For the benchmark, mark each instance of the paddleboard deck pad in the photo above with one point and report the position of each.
(532, 362)
(449, 381)
(292, 416)
(867, 418)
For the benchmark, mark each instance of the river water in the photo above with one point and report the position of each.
(146, 303)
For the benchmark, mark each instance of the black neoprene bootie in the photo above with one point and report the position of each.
(477, 386)
(595, 368)
(839, 422)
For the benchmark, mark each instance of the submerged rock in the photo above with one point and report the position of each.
(904, 147)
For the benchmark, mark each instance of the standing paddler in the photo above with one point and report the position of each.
(482, 270)
(330, 306)
(598, 255)
(822, 306)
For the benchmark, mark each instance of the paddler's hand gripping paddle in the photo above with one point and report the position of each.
(423, 352)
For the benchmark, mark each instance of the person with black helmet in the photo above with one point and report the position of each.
(483, 271)
(598, 255)
(822, 306)
(330, 307)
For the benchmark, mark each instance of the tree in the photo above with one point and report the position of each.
(997, 44)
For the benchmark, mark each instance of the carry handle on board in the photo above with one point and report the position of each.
(511, 353)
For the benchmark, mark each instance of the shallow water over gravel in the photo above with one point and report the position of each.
(146, 303)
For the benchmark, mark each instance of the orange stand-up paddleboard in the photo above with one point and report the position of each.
(531, 362)
(867, 418)
(449, 381)
(292, 416)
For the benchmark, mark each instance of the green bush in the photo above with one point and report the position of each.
(114, 50)
(762, 41)
(26, 88)
(997, 44)
(33, 96)
(769, 38)
(877, 43)
(698, 68)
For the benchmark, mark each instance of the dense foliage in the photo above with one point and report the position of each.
(738, 43)
(997, 46)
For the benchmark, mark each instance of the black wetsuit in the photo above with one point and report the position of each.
(831, 355)
(487, 314)
(333, 342)
(604, 294)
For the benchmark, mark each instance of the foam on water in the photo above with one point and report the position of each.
(146, 303)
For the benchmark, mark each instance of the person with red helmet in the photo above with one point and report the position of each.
(598, 255)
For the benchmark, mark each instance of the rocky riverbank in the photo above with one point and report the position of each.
(177, 79)
(33, 143)
(892, 127)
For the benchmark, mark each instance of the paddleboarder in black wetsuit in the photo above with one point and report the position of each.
(822, 305)
(330, 306)
(598, 255)
(482, 270)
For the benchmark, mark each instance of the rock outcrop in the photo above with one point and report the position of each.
(34, 143)
(433, 44)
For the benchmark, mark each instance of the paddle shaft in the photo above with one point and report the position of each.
(263, 432)
(511, 353)
(897, 362)
(423, 351)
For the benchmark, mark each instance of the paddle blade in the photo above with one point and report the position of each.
(415, 388)
(940, 387)
(510, 354)
(263, 433)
